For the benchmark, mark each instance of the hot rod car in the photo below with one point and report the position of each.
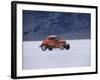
(54, 42)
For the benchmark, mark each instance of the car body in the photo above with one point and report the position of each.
(54, 42)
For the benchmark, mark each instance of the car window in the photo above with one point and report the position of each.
(57, 38)
(51, 38)
(54, 38)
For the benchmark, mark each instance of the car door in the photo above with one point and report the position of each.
(52, 43)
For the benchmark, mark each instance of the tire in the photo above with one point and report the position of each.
(61, 47)
(67, 46)
(43, 47)
(50, 49)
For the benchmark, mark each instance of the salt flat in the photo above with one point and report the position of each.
(79, 55)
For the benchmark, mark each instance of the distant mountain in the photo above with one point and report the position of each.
(37, 25)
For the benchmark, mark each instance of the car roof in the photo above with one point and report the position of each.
(52, 36)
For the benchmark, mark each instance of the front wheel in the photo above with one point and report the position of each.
(43, 47)
(67, 46)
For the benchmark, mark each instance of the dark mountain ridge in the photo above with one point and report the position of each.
(37, 25)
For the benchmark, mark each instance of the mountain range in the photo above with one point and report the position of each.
(37, 25)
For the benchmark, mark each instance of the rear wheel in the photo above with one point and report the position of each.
(43, 47)
(50, 48)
